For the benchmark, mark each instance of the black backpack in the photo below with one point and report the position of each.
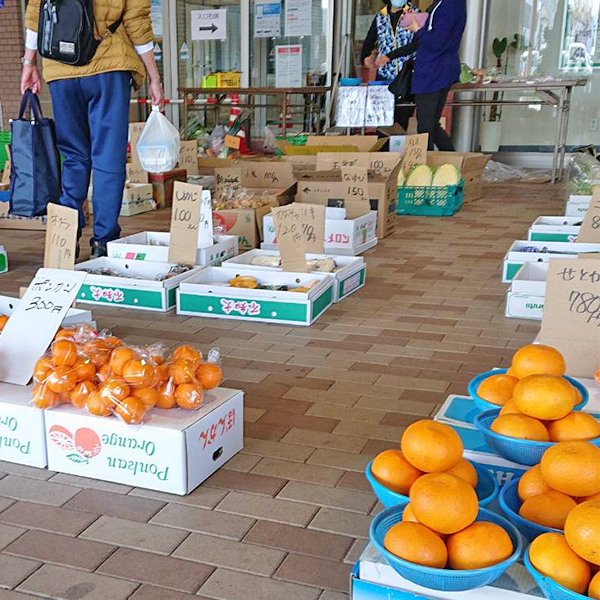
(66, 31)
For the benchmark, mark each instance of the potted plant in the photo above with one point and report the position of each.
(491, 128)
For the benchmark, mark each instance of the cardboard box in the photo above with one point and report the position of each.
(347, 237)
(136, 288)
(154, 246)
(334, 143)
(555, 229)
(8, 221)
(22, 437)
(326, 187)
(207, 294)
(517, 254)
(470, 165)
(208, 164)
(245, 223)
(374, 579)
(350, 275)
(174, 451)
(162, 186)
(3, 260)
(137, 199)
(525, 298)
(577, 206)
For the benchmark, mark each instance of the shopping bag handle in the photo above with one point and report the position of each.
(31, 99)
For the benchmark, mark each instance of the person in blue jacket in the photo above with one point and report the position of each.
(437, 66)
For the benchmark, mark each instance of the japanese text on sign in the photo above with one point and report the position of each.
(415, 151)
(590, 228)
(61, 237)
(211, 434)
(356, 191)
(241, 307)
(185, 222)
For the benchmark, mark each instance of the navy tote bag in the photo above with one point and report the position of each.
(35, 172)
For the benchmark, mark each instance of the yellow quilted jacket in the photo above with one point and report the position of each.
(116, 52)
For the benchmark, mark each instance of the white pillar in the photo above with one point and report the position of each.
(465, 120)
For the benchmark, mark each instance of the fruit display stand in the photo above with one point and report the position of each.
(154, 246)
(137, 286)
(22, 436)
(174, 450)
(347, 237)
(374, 579)
(519, 253)
(577, 206)
(350, 275)
(75, 316)
(207, 294)
(555, 229)
(3, 260)
(525, 298)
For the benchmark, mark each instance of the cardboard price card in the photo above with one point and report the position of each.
(590, 228)
(292, 235)
(34, 323)
(227, 181)
(415, 151)
(135, 173)
(571, 320)
(185, 222)
(61, 237)
(268, 175)
(356, 191)
(188, 157)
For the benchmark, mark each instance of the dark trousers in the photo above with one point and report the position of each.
(91, 116)
(429, 111)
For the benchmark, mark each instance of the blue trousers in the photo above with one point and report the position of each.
(91, 116)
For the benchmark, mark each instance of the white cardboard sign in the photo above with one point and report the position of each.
(205, 231)
(209, 24)
(34, 323)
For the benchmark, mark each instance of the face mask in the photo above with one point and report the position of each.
(398, 3)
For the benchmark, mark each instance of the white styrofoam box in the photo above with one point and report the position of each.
(577, 205)
(3, 260)
(517, 254)
(342, 236)
(525, 298)
(174, 450)
(22, 436)
(154, 246)
(75, 316)
(555, 229)
(374, 579)
(207, 294)
(357, 251)
(136, 288)
(350, 274)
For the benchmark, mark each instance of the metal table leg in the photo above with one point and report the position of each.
(563, 141)
(557, 136)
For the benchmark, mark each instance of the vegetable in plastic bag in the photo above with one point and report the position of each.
(159, 145)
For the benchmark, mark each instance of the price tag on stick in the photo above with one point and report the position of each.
(185, 221)
(356, 191)
(188, 157)
(590, 228)
(61, 237)
(571, 320)
(34, 323)
(415, 151)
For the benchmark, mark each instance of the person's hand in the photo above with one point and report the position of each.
(370, 61)
(414, 25)
(156, 92)
(382, 60)
(30, 79)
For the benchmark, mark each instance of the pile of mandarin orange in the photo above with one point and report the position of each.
(99, 373)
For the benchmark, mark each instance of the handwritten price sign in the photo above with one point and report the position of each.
(415, 151)
(61, 237)
(590, 228)
(188, 157)
(185, 222)
(356, 191)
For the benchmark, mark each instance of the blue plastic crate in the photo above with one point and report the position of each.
(431, 201)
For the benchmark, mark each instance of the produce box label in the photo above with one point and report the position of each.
(134, 298)
(3, 262)
(351, 284)
(539, 236)
(523, 306)
(22, 435)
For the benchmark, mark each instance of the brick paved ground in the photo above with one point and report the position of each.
(286, 518)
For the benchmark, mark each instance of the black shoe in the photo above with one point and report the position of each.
(98, 250)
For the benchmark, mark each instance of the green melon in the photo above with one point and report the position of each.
(446, 175)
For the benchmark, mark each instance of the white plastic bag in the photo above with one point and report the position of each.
(159, 144)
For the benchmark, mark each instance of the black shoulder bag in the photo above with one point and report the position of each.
(400, 87)
(66, 31)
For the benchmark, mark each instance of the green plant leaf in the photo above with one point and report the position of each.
(499, 46)
(517, 42)
(77, 458)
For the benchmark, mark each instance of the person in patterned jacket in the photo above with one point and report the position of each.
(387, 36)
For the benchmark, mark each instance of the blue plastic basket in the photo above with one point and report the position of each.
(522, 452)
(485, 405)
(550, 589)
(487, 488)
(510, 503)
(443, 579)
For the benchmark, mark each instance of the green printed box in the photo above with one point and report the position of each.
(555, 229)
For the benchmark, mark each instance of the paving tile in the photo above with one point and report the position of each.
(163, 571)
(205, 497)
(8, 534)
(131, 534)
(340, 460)
(233, 585)
(271, 509)
(115, 505)
(314, 571)
(61, 583)
(13, 570)
(60, 549)
(10, 595)
(293, 452)
(9, 468)
(32, 490)
(358, 546)
(239, 556)
(242, 462)
(341, 521)
(203, 521)
(47, 518)
(316, 439)
(245, 482)
(280, 418)
(330, 595)
(320, 495)
(88, 483)
(149, 592)
(299, 540)
(297, 472)
(5, 503)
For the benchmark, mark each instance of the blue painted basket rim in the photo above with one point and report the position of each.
(550, 582)
(476, 381)
(515, 441)
(402, 498)
(506, 525)
(506, 488)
